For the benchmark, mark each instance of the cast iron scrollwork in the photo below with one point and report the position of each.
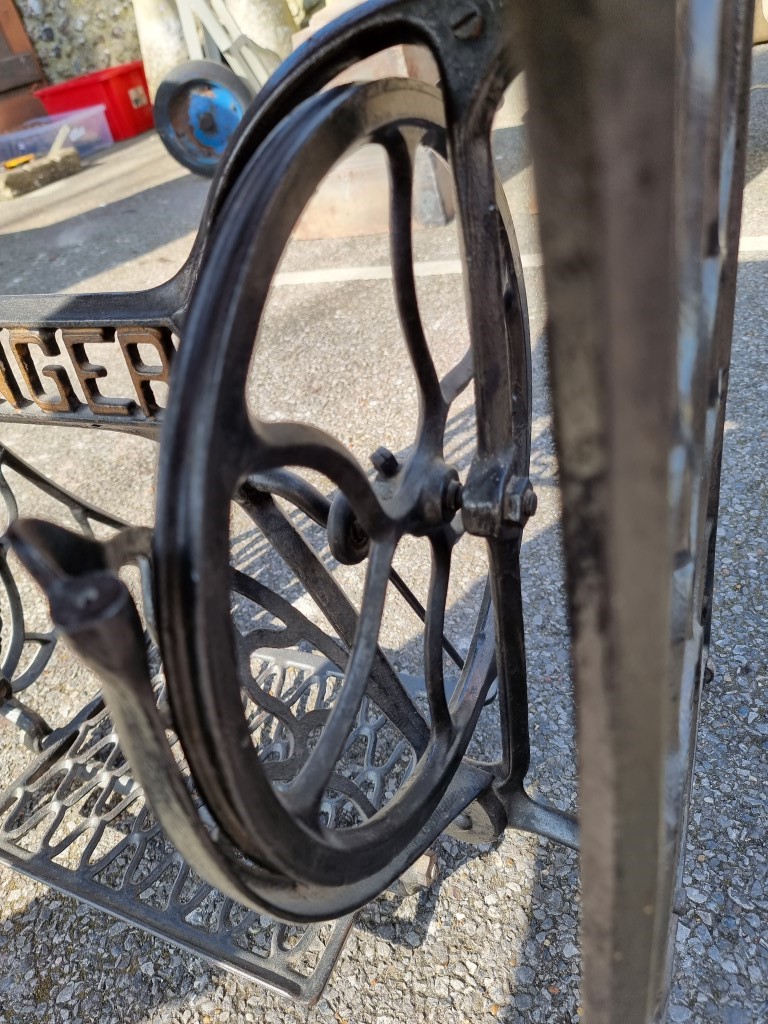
(214, 452)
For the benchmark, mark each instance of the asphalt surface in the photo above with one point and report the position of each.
(496, 938)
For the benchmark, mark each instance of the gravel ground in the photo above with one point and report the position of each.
(496, 938)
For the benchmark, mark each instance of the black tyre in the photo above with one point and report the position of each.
(197, 108)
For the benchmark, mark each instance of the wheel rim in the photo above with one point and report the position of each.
(203, 117)
(192, 536)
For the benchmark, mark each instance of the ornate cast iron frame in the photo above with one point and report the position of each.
(637, 115)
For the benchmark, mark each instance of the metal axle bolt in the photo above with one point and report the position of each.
(385, 462)
(453, 495)
(467, 22)
(207, 122)
(520, 501)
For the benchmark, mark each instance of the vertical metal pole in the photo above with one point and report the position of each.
(601, 80)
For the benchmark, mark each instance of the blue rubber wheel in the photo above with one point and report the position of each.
(197, 108)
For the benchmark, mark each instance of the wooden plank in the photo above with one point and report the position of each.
(17, 71)
(12, 27)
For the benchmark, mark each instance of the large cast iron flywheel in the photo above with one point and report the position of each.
(216, 452)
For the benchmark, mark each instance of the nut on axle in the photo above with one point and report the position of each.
(385, 462)
(520, 501)
(495, 500)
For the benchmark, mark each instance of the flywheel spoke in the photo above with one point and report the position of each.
(309, 785)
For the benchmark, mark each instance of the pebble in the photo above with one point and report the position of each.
(679, 1014)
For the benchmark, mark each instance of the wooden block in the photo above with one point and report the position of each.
(352, 200)
(38, 173)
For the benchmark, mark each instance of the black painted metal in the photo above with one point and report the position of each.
(422, 497)
(264, 181)
(264, 837)
(78, 820)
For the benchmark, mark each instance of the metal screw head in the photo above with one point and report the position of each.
(384, 462)
(467, 22)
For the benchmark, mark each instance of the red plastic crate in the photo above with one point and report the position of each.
(123, 90)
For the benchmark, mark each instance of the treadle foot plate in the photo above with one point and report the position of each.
(78, 821)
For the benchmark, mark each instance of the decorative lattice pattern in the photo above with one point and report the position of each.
(77, 820)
